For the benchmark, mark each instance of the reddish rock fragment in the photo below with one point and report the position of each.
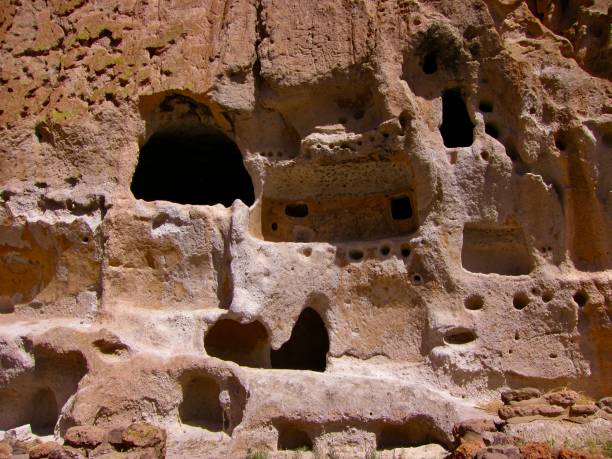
(517, 395)
(562, 398)
(43, 450)
(536, 451)
(85, 436)
(467, 450)
(583, 410)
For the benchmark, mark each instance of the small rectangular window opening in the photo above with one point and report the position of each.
(401, 208)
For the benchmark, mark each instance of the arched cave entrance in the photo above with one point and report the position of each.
(192, 166)
(308, 346)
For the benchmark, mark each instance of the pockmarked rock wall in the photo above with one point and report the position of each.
(276, 224)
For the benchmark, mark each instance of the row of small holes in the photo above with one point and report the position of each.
(385, 250)
(522, 300)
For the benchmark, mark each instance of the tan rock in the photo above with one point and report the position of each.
(67, 452)
(583, 410)
(474, 425)
(43, 450)
(5, 448)
(508, 412)
(562, 398)
(84, 436)
(101, 450)
(498, 452)
(518, 395)
(605, 402)
(143, 435)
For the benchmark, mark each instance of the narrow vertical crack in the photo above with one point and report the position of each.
(261, 33)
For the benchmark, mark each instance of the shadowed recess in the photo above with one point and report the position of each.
(36, 396)
(192, 167)
(495, 249)
(307, 348)
(201, 406)
(44, 412)
(291, 437)
(245, 344)
(417, 431)
(457, 128)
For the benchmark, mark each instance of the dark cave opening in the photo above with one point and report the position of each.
(430, 63)
(291, 437)
(44, 412)
(457, 128)
(194, 167)
(245, 344)
(307, 347)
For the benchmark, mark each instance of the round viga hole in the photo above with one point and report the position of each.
(484, 155)
(547, 296)
(355, 255)
(417, 279)
(385, 250)
(274, 226)
(459, 336)
(520, 300)
(405, 251)
(474, 302)
(581, 298)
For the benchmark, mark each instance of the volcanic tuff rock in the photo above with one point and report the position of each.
(334, 224)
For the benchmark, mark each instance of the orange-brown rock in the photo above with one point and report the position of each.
(535, 450)
(566, 453)
(562, 398)
(43, 450)
(84, 436)
(468, 449)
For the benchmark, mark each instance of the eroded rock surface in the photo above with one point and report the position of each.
(329, 225)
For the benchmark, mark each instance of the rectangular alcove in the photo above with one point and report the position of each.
(495, 249)
(351, 201)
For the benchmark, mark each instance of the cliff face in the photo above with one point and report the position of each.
(273, 224)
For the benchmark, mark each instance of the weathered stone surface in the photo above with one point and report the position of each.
(518, 395)
(534, 450)
(583, 410)
(67, 452)
(85, 436)
(498, 452)
(605, 402)
(115, 436)
(474, 425)
(507, 412)
(497, 438)
(566, 453)
(43, 450)
(562, 398)
(142, 435)
(101, 450)
(468, 449)
(265, 223)
(5, 448)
